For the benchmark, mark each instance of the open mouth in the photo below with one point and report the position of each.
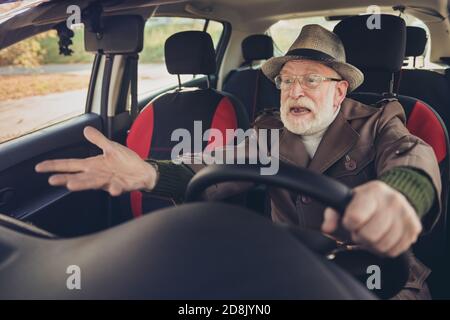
(298, 110)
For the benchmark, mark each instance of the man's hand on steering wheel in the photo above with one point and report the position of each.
(116, 171)
(379, 217)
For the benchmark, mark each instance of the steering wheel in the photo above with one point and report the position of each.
(328, 191)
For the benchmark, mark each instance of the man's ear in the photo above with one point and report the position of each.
(340, 92)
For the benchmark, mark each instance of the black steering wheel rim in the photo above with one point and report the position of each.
(320, 187)
(326, 190)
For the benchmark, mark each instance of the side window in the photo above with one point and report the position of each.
(153, 74)
(39, 87)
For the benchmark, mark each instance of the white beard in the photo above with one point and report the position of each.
(306, 127)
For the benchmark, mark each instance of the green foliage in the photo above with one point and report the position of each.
(52, 55)
(158, 30)
(28, 53)
(44, 49)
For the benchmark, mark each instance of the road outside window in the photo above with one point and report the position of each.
(40, 87)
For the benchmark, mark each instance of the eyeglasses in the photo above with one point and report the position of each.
(306, 81)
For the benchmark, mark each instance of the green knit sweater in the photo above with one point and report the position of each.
(415, 185)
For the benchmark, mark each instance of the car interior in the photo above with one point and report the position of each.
(227, 91)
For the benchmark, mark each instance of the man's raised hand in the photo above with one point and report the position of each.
(116, 171)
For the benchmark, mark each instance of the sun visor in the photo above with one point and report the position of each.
(120, 34)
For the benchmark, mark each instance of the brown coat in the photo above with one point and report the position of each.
(361, 144)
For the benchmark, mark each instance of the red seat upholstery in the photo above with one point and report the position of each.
(189, 52)
(421, 120)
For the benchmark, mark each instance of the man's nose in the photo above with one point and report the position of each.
(296, 90)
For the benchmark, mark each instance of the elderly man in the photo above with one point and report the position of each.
(394, 174)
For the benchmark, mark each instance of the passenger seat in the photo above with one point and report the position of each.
(375, 52)
(427, 85)
(248, 83)
(150, 136)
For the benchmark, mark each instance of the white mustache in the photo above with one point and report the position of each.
(301, 102)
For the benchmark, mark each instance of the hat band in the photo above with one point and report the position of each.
(311, 54)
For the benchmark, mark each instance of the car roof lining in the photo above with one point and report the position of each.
(273, 10)
(246, 17)
(256, 16)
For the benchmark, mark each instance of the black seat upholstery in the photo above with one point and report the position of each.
(416, 42)
(375, 52)
(189, 52)
(248, 83)
(427, 85)
(380, 54)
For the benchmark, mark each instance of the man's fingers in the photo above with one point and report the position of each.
(409, 236)
(61, 165)
(391, 238)
(331, 221)
(377, 226)
(79, 182)
(115, 189)
(58, 179)
(358, 212)
(83, 181)
(96, 137)
(401, 246)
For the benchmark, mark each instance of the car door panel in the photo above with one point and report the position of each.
(26, 195)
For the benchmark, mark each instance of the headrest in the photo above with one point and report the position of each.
(375, 49)
(190, 52)
(416, 41)
(257, 47)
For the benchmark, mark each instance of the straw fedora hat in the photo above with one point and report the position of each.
(318, 44)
